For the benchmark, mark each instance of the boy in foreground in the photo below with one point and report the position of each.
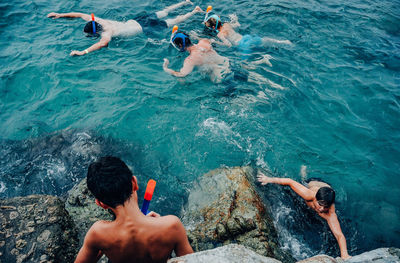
(132, 236)
(320, 197)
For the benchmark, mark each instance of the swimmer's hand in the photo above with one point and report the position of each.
(77, 53)
(54, 15)
(153, 214)
(188, 2)
(166, 63)
(263, 179)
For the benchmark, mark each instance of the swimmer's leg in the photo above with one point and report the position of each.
(266, 40)
(164, 13)
(179, 19)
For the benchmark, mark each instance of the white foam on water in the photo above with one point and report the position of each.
(220, 129)
(2, 187)
(288, 241)
(303, 172)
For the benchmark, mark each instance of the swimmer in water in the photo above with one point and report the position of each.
(229, 37)
(201, 55)
(320, 197)
(108, 29)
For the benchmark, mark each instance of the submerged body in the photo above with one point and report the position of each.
(203, 56)
(229, 37)
(111, 28)
(324, 210)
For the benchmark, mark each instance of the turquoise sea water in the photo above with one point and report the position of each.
(332, 104)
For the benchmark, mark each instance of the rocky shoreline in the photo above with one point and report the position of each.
(225, 218)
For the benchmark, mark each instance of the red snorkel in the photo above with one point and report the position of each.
(93, 24)
(148, 195)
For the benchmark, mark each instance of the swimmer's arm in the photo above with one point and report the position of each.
(102, 43)
(72, 15)
(334, 225)
(225, 41)
(89, 252)
(185, 70)
(300, 189)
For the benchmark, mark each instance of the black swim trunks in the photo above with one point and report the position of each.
(150, 22)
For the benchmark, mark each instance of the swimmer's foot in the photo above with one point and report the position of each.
(265, 60)
(234, 20)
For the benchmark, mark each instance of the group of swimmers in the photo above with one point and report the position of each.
(133, 236)
(201, 55)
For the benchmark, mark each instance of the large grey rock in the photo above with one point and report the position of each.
(226, 254)
(36, 228)
(321, 259)
(380, 255)
(82, 208)
(223, 208)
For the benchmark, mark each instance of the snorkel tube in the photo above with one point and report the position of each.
(217, 19)
(93, 24)
(148, 195)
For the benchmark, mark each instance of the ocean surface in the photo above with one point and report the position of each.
(328, 106)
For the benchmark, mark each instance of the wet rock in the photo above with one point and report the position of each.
(82, 208)
(380, 255)
(227, 254)
(27, 235)
(320, 259)
(224, 208)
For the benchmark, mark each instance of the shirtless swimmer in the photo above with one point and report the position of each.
(320, 197)
(202, 55)
(108, 29)
(229, 37)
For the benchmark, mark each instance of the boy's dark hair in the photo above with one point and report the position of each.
(213, 23)
(178, 41)
(109, 180)
(89, 27)
(325, 196)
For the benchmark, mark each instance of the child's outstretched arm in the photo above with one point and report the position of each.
(300, 189)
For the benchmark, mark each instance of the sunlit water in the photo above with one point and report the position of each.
(329, 102)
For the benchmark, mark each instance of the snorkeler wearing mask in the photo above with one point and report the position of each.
(201, 55)
(320, 197)
(107, 29)
(229, 37)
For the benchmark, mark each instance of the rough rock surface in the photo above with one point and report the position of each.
(36, 228)
(226, 254)
(380, 255)
(82, 208)
(224, 208)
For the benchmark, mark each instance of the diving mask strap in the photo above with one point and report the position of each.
(173, 34)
